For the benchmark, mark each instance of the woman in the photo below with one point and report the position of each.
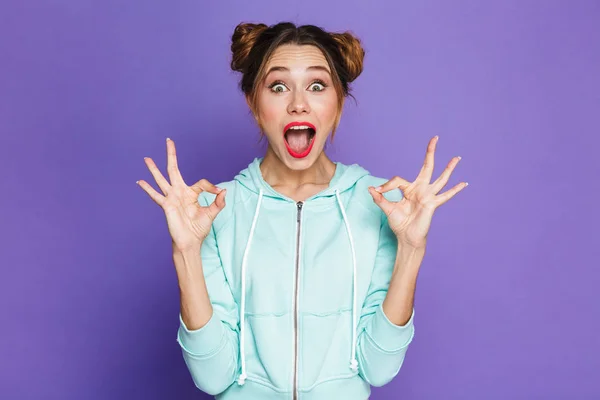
(297, 277)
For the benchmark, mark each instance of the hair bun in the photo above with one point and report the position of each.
(352, 53)
(243, 39)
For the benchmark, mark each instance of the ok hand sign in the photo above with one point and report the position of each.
(410, 218)
(188, 222)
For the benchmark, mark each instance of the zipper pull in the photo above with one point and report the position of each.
(299, 204)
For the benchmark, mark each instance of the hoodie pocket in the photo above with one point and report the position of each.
(269, 350)
(325, 348)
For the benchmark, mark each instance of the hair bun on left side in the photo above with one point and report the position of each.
(243, 39)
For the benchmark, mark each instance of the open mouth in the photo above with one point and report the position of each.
(299, 139)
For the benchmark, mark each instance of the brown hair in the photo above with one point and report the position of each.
(253, 44)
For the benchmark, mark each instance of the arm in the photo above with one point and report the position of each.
(386, 328)
(208, 331)
(389, 329)
(399, 301)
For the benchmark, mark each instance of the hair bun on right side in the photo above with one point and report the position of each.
(243, 39)
(352, 53)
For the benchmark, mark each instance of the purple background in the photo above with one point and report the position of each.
(507, 304)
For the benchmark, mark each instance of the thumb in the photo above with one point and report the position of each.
(217, 205)
(383, 203)
(204, 185)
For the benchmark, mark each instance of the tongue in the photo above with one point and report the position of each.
(298, 140)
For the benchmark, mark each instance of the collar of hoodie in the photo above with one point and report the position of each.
(344, 178)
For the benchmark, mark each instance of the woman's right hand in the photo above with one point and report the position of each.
(189, 223)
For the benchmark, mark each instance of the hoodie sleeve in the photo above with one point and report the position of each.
(211, 352)
(381, 345)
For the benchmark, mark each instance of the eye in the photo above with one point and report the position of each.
(318, 86)
(277, 87)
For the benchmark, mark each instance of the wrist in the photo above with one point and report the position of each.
(188, 249)
(188, 264)
(409, 259)
(411, 246)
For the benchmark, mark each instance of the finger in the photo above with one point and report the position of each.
(394, 183)
(217, 205)
(447, 195)
(427, 169)
(441, 181)
(383, 203)
(204, 185)
(172, 168)
(154, 195)
(163, 184)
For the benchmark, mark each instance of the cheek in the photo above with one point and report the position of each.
(271, 110)
(326, 107)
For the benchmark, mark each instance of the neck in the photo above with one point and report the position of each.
(276, 173)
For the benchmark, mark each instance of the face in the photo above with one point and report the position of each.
(297, 90)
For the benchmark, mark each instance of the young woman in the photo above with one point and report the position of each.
(297, 277)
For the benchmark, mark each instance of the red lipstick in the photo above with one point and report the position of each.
(312, 141)
(298, 123)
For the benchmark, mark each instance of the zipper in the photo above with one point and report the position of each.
(296, 291)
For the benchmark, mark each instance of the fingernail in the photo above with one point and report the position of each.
(168, 139)
(466, 183)
(378, 189)
(459, 157)
(219, 190)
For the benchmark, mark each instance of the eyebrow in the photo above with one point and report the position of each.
(285, 69)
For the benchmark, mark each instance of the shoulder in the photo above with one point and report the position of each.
(361, 192)
(232, 197)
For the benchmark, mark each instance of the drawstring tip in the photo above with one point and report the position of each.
(241, 379)
(353, 364)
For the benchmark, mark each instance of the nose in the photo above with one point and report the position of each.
(298, 103)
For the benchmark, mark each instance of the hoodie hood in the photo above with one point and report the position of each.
(344, 178)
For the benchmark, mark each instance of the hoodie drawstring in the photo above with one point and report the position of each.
(353, 361)
(243, 375)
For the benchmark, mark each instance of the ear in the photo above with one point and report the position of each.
(249, 102)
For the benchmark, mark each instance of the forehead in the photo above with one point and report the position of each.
(295, 56)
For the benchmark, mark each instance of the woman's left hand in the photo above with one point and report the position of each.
(410, 218)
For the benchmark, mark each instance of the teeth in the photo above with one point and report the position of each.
(300, 127)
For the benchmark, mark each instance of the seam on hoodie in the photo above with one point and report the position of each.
(395, 351)
(370, 207)
(367, 196)
(333, 378)
(208, 260)
(219, 259)
(267, 315)
(210, 354)
(230, 218)
(235, 202)
(265, 383)
(326, 313)
(374, 211)
(224, 224)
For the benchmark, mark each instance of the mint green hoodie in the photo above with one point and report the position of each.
(297, 289)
